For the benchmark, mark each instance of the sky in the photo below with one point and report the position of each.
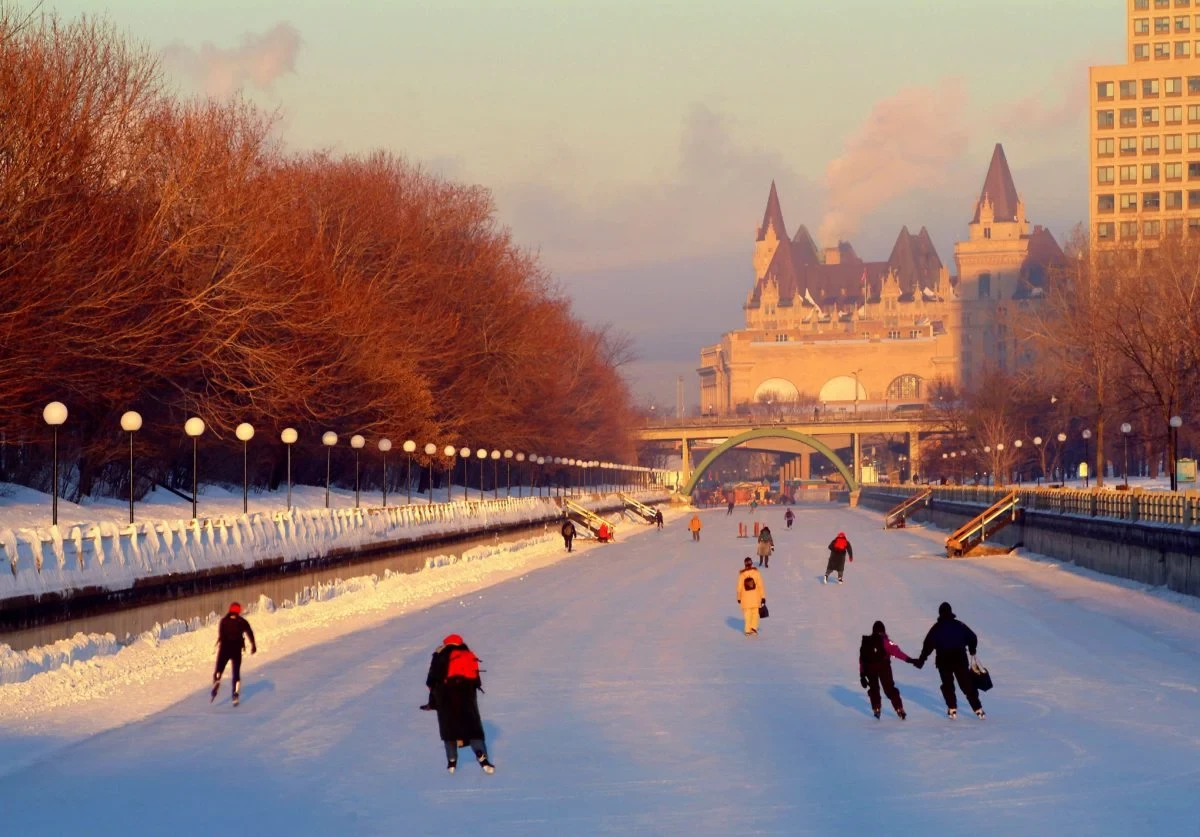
(633, 143)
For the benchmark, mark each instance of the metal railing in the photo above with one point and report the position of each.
(898, 416)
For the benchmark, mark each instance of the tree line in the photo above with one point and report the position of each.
(172, 256)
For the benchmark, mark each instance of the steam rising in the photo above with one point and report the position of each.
(259, 60)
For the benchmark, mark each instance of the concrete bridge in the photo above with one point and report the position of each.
(822, 432)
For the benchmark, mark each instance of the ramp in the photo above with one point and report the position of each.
(585, 517)
(639, 508)
(974, 533)
(897, 517)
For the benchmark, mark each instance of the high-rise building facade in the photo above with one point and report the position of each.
(1145, 128)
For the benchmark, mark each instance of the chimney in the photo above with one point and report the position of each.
(833, 255)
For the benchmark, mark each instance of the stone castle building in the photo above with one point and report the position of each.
(827, 325)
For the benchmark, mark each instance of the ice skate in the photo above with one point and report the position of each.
(876, 713)
(841, 580)
(981, 714)
(951, 714)
(825, 578)
(216, 688)
(487, 766)
(901, 714)
(450, 766)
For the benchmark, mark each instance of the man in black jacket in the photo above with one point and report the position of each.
(953, 641)
(568, 533)
(231, 642)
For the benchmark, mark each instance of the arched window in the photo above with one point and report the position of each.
(905, 388)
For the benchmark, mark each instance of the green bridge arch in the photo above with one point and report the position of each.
(770, 433)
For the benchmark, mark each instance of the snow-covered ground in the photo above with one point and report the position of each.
(623, 698)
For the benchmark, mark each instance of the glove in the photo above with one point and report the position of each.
(253, 649)
(862, 679)
(919, 663)
(426, 708)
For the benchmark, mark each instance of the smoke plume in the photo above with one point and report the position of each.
(908, 142)
(259, 60)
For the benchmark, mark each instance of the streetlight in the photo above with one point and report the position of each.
(1062, 440)
(1126, 427)
(54, 414)
(245, 432)
(465, 455)
(508, 455)
(358, 443)
(131, 423)
(1087, 470)
(495, 475)
(1000, 461)
(521, 490)
(409, 448)
(1176, 423)
(857, 386)
(1017, 444)
(194, 427)
(384, 446)
(431, 452)
(481, 454)
(449, 452)
(1037, 443)
(328, 439)
(289, 437)
(540, 461)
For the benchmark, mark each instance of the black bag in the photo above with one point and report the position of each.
(763, 613)
(981, 677)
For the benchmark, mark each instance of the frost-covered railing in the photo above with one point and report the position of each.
(1180, 509)
(109, 556)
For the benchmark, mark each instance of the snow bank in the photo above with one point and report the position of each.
(107, 556)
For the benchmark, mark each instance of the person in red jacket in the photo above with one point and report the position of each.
(232, 633)
(453, 681)
(875, 669)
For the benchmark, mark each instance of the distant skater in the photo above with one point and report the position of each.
(453, 681)
(729, 510)
(839, 550)
(952, 641)
(568, 533)
(766, 545)
(232, 632)
(875, 669)
(789, 517)
(658, 518)
(750, 594)
(694, 526)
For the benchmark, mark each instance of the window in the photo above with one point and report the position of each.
(1141, 52)
(1151, 201)
(1193, 226)
(1128, 146)
(1128, 117)
(1105, 203)
(1174, 143)
(1149, 117)
(1183, 24)
(1193, 171)
(1129, 230)
(1193, 142)
(1193, 113)
(1129, 90)
(1162, 26)
(1129, 174)
(1194, 199)
(1150, 173)
(1104, 118)
(985, 286)
(1141, 4)
(1129, 202)
(1173, 86)
(1183, 49)
(1151, 229)
(1104, 91)
(1150, 88)
(1104, 231)
(1173, 172)
(905, 387)
(1105, 175)
(1173, 200)
(1141, 26)
(1193, 85)
(1174, 226)
(1162, 50)
(1150, 145)
(1173, 115)
(1104, 147)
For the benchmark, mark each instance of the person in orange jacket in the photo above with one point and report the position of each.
(694, 527)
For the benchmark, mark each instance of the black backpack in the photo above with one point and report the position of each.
(749, 584)
(872, 652)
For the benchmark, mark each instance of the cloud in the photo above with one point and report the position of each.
(1044, 117)
(259, 60)
(907, 142)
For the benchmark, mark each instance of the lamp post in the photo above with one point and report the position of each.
(431, 452)
(495, 475)
(54, 414)
(328, 439)
(1037, 443)
(857, 386)
(1000, 461)
(409, 448)
(245, 432)
(358, 443)
(289, 437)
(194, 427)
(385, 445)
(1087, 470)
(131, 422)
(541, 461)
(1176, 423)
(1126, 427)
(508, 456)
(465, 455)
(448, 452)
(520, 457)
(481, 455)
(1017, 444)
(1062, 440)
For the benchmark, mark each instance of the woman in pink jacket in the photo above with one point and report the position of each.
(875, 668)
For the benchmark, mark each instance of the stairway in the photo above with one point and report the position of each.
(896, 518)
(641, 509)
(589, 519)
(974, 533)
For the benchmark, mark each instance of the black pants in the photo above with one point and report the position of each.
(696, 536)
(477, 745)
(567, 540)
(224, 657)
(965, 682)
(789, 524)
(729, 511)
(882, 676)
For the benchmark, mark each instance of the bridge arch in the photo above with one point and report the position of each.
(770, 433)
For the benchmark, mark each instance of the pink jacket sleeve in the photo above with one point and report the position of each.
(894, 650)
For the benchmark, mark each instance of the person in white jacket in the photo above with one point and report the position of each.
(750, 594)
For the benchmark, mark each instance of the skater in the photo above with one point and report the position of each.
(729, 511)
(658, 518)
(750, 594)
(753, 506)
(839, 550)
(766, 545)
(694, 527)
(232, 632)
(875, 669)
(453, 681)
(568, 533)
(789, 517)
(953, 641)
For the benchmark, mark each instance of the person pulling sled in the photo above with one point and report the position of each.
(952, 641)
(232, 632)
(875, 669)
(453, 680)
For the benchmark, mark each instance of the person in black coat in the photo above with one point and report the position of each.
(232, 632)
(568, 533)
(839, 549)
(952, 641)
(453, 680)
(658, 518)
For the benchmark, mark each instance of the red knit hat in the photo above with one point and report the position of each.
(235, 608)
(453, 639)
